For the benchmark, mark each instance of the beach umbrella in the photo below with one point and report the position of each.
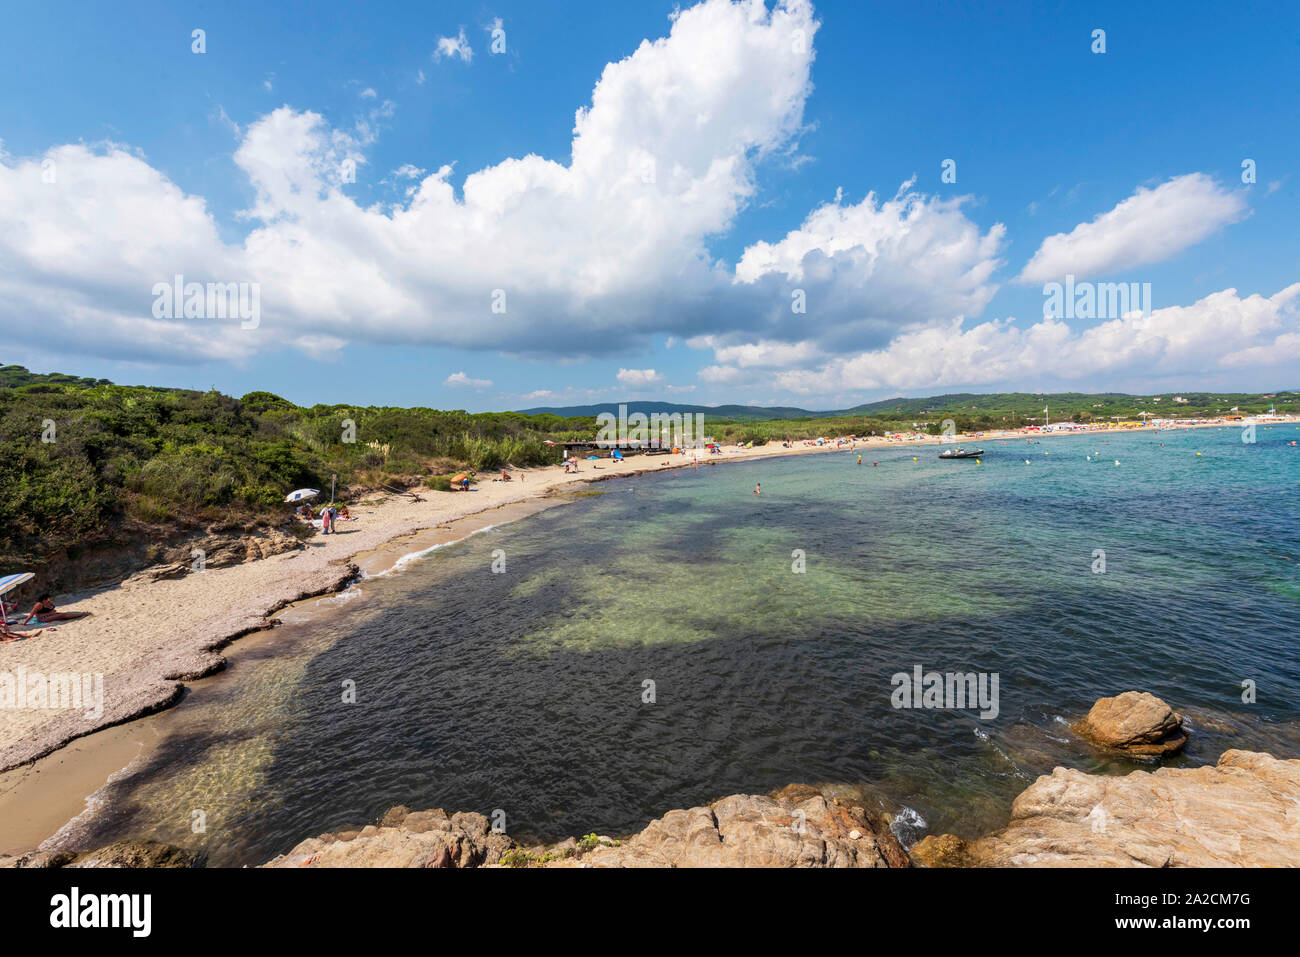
(456, 479)
(9, 583)
(301, 495)
(548, 442)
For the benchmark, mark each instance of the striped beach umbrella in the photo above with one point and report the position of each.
(7, 584)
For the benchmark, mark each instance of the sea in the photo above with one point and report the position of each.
(669, 639)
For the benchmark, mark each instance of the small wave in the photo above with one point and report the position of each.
(75, 830)
(416, 555)
(908, 826)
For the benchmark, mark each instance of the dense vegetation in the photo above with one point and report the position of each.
(77, 454)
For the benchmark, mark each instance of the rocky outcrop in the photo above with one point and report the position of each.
(746, 830)
(1134, 722)
(405, 839)
(220, 546)
(796, 827)
(122, 854)
(143, 552)
(1243, 812)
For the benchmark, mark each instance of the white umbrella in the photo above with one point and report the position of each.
(8, 583)
(301, 495)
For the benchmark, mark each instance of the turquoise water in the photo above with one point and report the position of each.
(523, 690)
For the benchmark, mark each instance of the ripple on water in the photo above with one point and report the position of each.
(525, 691)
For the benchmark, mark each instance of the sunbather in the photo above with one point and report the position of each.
(7, 636)
(44, 611)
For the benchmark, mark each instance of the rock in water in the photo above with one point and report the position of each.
(1240, 813)
(1136, 723)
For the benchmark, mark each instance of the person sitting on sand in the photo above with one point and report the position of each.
(505, 476)
(44, 611)
(343, 513)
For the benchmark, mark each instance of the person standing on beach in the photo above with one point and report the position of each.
(325, 520)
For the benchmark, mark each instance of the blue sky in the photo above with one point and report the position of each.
(224, 165)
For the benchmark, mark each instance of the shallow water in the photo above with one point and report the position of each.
(523, 690)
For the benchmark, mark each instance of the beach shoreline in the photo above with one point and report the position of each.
(147, 638)
(150, 638)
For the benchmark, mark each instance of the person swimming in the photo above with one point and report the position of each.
(758, 489)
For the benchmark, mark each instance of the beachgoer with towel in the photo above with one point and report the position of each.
(44, 611)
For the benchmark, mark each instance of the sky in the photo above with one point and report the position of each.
(505, 205)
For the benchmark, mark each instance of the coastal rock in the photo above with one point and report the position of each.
(121, 854)
(797, 827)
(940, 850)
(43, 860)
(136, 854)
(222, 545)
(1244, 812)
(747, 830)
(403, 838)
(1134, 722)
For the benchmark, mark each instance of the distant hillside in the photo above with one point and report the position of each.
(732, 413)
(1013, 405)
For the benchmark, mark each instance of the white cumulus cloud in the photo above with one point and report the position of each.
(1149, 227)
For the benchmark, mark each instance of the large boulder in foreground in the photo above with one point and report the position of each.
(1134, 722)
(1244, 812)
(796, 827)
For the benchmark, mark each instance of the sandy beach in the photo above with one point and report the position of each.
(147, 638)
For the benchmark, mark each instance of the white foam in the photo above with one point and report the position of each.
(416, 555)
(906, 819)
(95, 803)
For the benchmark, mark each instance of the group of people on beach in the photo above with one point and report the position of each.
(42, 613)
(329, 516)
